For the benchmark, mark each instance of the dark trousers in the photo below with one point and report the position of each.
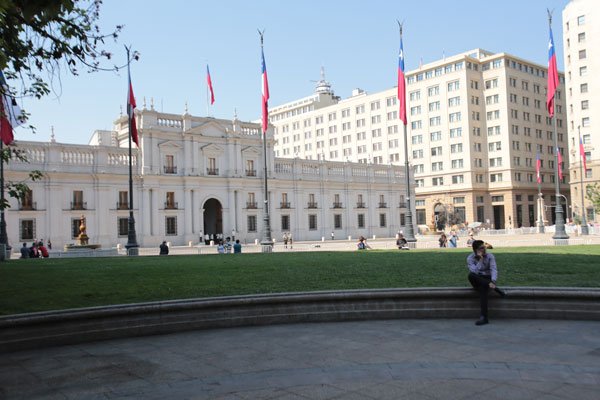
(481, 283)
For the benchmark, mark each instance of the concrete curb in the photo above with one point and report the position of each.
(36, 330)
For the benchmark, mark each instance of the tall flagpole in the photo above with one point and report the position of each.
(584, 226)
(132, 245)
(409, 234)
(207, 94)
(559, 231)
(267, 241)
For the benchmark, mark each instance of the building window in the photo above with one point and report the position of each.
(312, 222)
(251, 202)
(337, 221)
(170, 167)
(402, 219)
(250, 170)
(382, 220)
(170, 203)
(27, 229)
(123, 226)
(285, 222)
(123, 203)
(421, 217)
(77, 203)
(252, 223)
(171, 226)
(26, 202)
(212, 167)
(581, 20)
(498, 198)
(361, 220)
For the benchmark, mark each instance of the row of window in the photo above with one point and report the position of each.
(27, 227)
(493, 177)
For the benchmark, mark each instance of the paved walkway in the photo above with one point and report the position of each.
(413, 359)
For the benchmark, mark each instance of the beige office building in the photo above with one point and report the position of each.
(581, 34)
(475, 123)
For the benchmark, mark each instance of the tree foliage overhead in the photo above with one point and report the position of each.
(41, 38)
(593, 195)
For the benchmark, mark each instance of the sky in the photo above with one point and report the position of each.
(355, 41)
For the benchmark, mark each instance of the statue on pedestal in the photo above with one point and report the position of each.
(83, 238)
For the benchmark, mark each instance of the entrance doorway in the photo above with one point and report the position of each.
(213, 218)
(498, 217)
(440, 216)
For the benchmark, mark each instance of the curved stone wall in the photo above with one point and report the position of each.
(25, 331)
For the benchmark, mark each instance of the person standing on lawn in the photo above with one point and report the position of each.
(483, 274)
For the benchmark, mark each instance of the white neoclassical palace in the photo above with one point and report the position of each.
(196, 176)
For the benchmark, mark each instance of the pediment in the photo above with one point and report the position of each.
(251, 151)
(170, 144)
(209, 128)
(212, 148)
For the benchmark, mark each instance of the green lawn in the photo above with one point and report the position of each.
(37, 285)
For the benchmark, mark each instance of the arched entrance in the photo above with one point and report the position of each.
(440, 216)
(213, 218)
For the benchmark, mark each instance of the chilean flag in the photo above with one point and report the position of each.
(560, 162)
(265, 95)
(552, 76)
(582, 154)
(401, 84)
(131, 114)
(10, 113)
(210, 86)
(538, 166)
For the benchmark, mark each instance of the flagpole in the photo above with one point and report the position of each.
(207, 95)
(559, 231)
(267, 241)
(409, 235)
(540, 221)
(132, 245)
(584, 226)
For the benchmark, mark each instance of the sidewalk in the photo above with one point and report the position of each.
(394, 359)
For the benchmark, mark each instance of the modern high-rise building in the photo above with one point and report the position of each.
(581, 35)
(476, 122)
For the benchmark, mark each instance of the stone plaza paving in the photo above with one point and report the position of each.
(390, 359)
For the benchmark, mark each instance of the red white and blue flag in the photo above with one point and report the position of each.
(560, 163)
(210, 86)
(582, 154)
(538, 167)
(552, 76)
(10, 113)
(401, 84)
(265, 95)
(131, 113)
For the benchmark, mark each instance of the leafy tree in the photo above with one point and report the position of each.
(39, 39)
(593, 195)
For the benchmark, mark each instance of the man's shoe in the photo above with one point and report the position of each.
(501, 292)
(482, 321)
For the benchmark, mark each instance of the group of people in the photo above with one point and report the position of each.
(287, 239)
(450, 240)
(37, 250)
(226, 247)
